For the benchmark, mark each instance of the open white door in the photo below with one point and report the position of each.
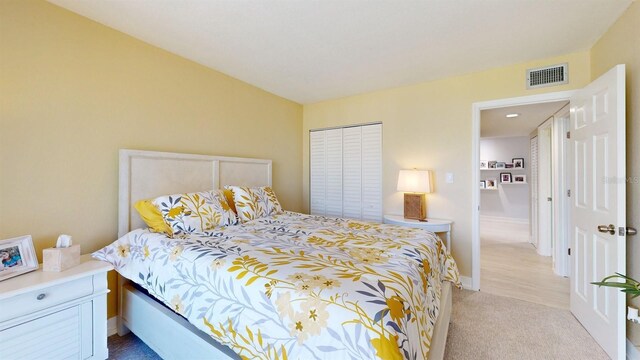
(598, 213)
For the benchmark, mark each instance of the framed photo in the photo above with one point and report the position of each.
(17, 256)
(505, 177)
(519, 178)
(484, 164)
(518, 163)
(483, 184)
(492, 164)
(491, 184)
(501, 165)
(508, 166)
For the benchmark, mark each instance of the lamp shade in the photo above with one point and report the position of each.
(418, 181)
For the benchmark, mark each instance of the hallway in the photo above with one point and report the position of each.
(515, 270)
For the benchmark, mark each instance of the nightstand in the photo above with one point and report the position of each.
(433, 225)
(56, 315)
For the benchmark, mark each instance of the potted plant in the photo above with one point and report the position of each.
(629, 286)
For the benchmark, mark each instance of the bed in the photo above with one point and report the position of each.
(284, 286)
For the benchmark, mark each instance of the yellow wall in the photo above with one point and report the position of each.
(73, 92)
(429, 126)
(621, 45)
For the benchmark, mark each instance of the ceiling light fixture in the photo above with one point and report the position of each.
(512, 115)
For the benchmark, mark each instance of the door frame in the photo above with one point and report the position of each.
(476, 109)
(561, 154)
(546, 151)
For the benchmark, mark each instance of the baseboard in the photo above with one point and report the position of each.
(467, 283)
(112, 326)
(633, 353)
(504, 220)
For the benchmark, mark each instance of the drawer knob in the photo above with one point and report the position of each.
(41, 296)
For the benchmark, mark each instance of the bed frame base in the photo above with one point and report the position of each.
(167, 333)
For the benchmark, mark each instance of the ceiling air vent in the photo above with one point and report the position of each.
(547, 76)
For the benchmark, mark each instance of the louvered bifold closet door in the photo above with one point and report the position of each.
(352, 172)
(334, 172)
(372, 172)
(318, 172)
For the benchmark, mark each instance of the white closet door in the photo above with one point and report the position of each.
(317, 176)
(334, 172)
(352, 172)
(372, 172)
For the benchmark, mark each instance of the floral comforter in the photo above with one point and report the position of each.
(298, 286)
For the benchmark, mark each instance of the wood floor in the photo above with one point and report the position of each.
(514, 269)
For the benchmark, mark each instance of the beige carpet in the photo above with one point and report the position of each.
(485, 326)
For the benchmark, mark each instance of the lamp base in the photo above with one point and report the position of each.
(415, 206)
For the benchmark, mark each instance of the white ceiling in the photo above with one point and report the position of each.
(313, 50)
(494, 123)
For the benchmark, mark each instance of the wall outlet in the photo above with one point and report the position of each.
(632, 314)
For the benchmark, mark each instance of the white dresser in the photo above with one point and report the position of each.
(55, 315)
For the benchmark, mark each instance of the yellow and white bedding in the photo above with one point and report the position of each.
(297, 286)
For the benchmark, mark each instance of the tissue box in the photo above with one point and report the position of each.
(60, 259)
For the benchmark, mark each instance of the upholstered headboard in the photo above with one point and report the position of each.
(149, 174)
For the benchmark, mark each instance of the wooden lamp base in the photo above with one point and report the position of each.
(415, 206)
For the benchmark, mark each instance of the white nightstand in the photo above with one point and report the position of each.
(433, 225)
(56, 315)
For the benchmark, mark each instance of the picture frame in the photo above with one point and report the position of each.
(17, 256)
(483, 184)
(484, 164)
(492, 164)
(518, 163)
(508, 166)
(491, 184)
(501, 165)
(505, 178)
(520, 179)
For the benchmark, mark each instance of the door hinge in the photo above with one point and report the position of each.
(568, 134)
(569, 193)
(569, 251)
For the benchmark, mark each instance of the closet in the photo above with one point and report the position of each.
(346, 172)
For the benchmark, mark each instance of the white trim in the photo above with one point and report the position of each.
(633, 352)
(562, 203)
(466, 283)
(476, 108)
(112, 326)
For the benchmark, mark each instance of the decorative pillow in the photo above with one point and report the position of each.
(195, 212)
(152, 217)
(254, 203)
(228, 195)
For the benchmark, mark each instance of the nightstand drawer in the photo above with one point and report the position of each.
(35, 300)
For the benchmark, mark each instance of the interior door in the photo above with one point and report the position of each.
(545, 189)
(598, 141)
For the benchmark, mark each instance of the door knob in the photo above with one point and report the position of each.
(611, 229)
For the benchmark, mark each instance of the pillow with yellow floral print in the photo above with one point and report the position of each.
(195, 212)
(254, 203)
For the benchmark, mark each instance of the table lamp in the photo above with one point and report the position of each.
(415, 184)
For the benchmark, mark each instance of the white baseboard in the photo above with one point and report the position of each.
(467, 283)
(633, 353)
(112, 326)
(504, 220)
